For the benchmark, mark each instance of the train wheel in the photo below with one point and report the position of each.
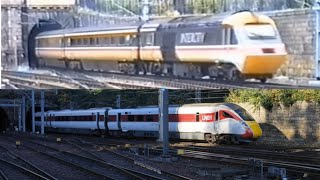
(235, 75)
(263, 80)
(234, 140)
(210, 138)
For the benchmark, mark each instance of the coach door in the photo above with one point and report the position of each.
(168, 49)
(106, 121)
(216, 122)
(46, 120)
(98, 120)
(119, 121)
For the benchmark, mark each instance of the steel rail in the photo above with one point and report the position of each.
(169, 174)
(34, 174)
(3, 176)
(41, 172)
(95, 161)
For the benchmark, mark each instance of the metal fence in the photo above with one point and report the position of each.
(164, 7)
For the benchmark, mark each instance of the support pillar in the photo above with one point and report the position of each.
(118, 101)
(23, 115)
(20, 119)
(198, 96)
(42, 112)
(33, 113)
(164, 124)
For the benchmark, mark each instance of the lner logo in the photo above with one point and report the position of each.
(206, 118)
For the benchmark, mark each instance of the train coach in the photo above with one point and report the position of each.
(235, 47)
(223, 122)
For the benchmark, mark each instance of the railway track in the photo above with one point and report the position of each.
(97, 162)
(9, 158)
(128, 159)
(234, 157)
(61, 78)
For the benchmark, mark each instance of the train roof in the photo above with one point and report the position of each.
(99, 28)
(166, 22)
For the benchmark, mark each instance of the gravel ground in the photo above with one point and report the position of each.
(183, 166)
(49, 165)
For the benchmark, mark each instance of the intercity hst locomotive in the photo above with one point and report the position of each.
(221, 122)
(235, 47)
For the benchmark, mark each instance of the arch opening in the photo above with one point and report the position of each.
(42, 26)
(4, 120)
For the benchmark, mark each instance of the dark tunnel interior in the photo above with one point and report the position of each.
(4, 122)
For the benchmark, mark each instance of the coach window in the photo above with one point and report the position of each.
(86, 41)
(149, 118)
(197, 117)
(97, 41)
(140, 118)
(92, 41)
(121, 40)
(114, 40)
(73, 42)
(127, 40)
(131, 118)
(148, 39)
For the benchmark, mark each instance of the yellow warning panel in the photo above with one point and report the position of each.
(180, 151)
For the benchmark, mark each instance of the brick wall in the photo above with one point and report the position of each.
(300, 123)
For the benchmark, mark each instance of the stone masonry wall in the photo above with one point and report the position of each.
(299, 123)
(11, 34)
(297, 29)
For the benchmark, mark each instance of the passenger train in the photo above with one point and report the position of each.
(212, 122)
(235, 47)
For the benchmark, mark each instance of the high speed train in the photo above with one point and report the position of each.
(234, 47)
(213, 122)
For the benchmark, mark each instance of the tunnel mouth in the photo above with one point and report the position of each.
(4, 120)
(29, 116)
(42, 26)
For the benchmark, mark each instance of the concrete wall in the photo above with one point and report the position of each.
(299, 123)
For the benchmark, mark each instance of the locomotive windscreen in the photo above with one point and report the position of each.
(260, 31)
(241, 112)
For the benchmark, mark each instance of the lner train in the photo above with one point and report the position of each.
(221, 122)
(235, 47)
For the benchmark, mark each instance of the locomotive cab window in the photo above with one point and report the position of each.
(260, 31)
(226, 115)
(229, 37)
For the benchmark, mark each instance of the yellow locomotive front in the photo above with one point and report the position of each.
(259, 43)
